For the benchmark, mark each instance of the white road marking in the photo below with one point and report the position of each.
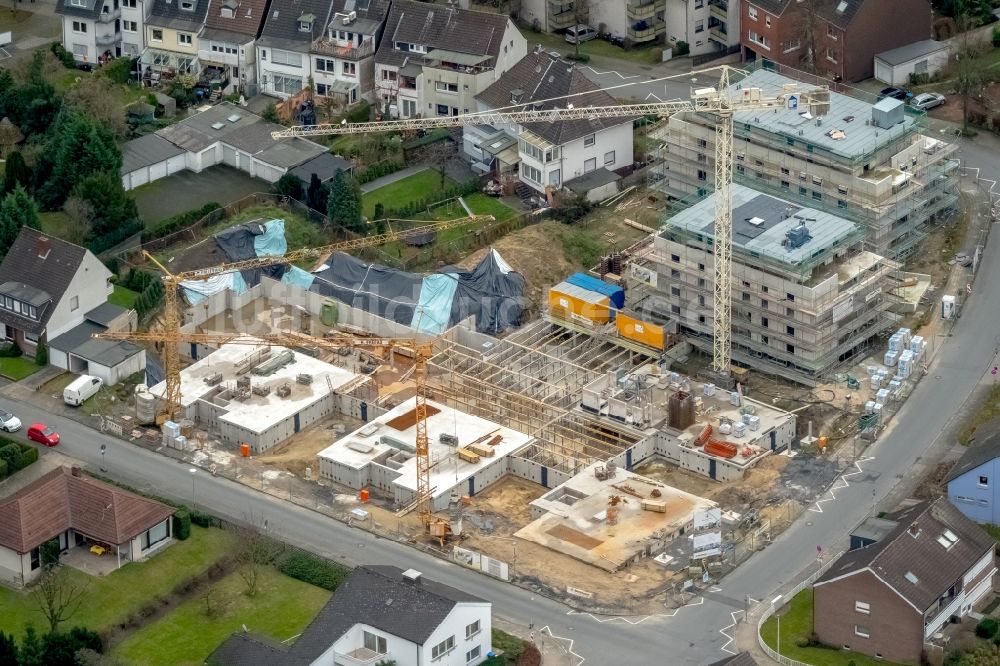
(842, 480)
(725, 648)
(569, 648)
(618, 74)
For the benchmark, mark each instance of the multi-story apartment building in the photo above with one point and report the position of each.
(91, 29)
(555, 15)
(283, 62)
(865, 161)
(172, 39)
(226, 48)
(836, 38)
(547, 154)
(134, 16)
(343, 57)
(434, 60)
(806, 296)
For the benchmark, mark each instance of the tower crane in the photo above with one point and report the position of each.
(723, 100)
(421, 350)
(171, 317)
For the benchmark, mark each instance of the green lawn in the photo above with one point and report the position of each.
(282, 609)
(796, 625)
(111, 599)
(417, 187)
(18, 368)
(646, 55)
(123, 297)
(480, 205)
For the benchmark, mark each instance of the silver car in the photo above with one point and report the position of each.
(9, 422)
(580, 33)
(926, 101)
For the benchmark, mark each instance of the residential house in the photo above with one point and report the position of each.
(50, 288)
(807, 297)
(134, 16)
(555, 15)
(343, 56)
(227, 45)
(434, 60)
(548, 153)
(79, 511)
(890, 598)
(91, 28)
(836, 38)
(741, 659)
(172, 30)
(974, 481)
(868, 162)
(379, 614)
(284, 65)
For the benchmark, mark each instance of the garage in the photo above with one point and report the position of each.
(924, 58)
(148, 158)
(111, 360)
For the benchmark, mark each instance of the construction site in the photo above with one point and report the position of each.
(649, 427)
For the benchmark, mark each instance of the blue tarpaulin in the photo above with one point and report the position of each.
(272, 242)
(433, 310)
(614, 293)
(197, 291)
(298, 278)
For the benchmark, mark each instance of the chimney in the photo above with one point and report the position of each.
(538, 48)
(412, 576)
(74, 470)
(44, 246)
(914, 530)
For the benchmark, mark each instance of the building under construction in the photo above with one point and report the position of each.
(864, 159)
(807, 297)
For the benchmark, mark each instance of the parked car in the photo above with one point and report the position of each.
(925, 101)
(580, 33)
(9, 422)
(80, 389)
(893, 92)
(43, 434)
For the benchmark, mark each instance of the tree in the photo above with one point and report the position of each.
(96, 96)
(57, 597)
(17, 210)
(344, 202)
(49, 551)
(80, 146)
(16, 172)
(8, 650)
(289, 186)
(806, 24)
(317, 194)
(254, 551)
(38, 101)
(81, 217)
(42, 359)
(30, 652)
(581, 16)
(115, 215)
(270, 114)
(970, 69)
(438, 155)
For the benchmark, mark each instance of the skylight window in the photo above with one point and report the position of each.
(947, 539)
(910, 577)
(218, 126)
(233, 118)
(842, 7)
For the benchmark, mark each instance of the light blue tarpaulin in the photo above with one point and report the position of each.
(197, 291)
(433, 311)
(272, 241)
(297, 277)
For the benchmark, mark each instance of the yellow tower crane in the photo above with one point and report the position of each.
(171, 315)
(723, 100)
(421, 350)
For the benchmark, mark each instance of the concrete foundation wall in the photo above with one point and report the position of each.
(532, 471)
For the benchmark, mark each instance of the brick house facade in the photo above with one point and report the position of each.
(888, 598)
(846, 34)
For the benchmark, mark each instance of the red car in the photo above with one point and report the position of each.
(43, 434)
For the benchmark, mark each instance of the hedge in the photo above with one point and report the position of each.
(10, 350)
(178, 222)
(987, 628)
(15, 456)
(201, 519)
(414, 207)
(377, 171)
(182, 524)
(313, 570)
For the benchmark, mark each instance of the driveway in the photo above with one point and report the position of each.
(187, 190)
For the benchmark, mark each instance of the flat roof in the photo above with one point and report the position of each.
(258, 413)
(361, 447)
(592, 179)
(761, 222)
(908, 52)
(847, 115)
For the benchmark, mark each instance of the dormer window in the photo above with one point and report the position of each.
(227, 12)
(187, 5)
(229, 8)
(306, 22)
(78, 3)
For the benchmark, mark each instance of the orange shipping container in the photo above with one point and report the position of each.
(640, 331)
(572, 302)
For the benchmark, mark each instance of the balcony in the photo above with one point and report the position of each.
(643, 32)
(109, 15)
(564, 16)
(329, 47)
(361, 656)
(718, 34)
(639, 10)
(719, 9)
(106, 40)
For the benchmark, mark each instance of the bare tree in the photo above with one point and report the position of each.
(57, 597)
(254, 551)
(806, 24)
(970, 68)
(581, 16)
(438, 155)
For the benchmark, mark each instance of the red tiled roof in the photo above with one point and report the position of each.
(59, 501)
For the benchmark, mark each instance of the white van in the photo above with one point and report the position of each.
(82, 388)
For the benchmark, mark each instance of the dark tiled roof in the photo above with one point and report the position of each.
(59, 501)
(168, 14)
(91, 8)
(374, 595)
(146, 151)
(247, 19)
(281, 27)
(775, 7)
(440, 27)
(105, 313)
(741, 659)
(368, 11)
(825, 9)
(913, 548)
(984, 447)
(76, 336)
(325, 167)
(544, 76)
(52, 274)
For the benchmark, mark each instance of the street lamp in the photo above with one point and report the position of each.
(193, 471)
(774, 601)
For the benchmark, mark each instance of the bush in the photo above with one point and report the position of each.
(987, 627)
(3, 469)
(681, 49)
(41, 353)
(10, 350)
(578, 57)
(119, 70)
(511, 646)
(49, 552)
(178, 222)
(200, 519)
(270, 114)
(377, 171)
(313, 570)
(67, 59)
(28, 456)
(996, 36)
(359, 113)
(11, 454)
(182, 524)
(919, 79)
